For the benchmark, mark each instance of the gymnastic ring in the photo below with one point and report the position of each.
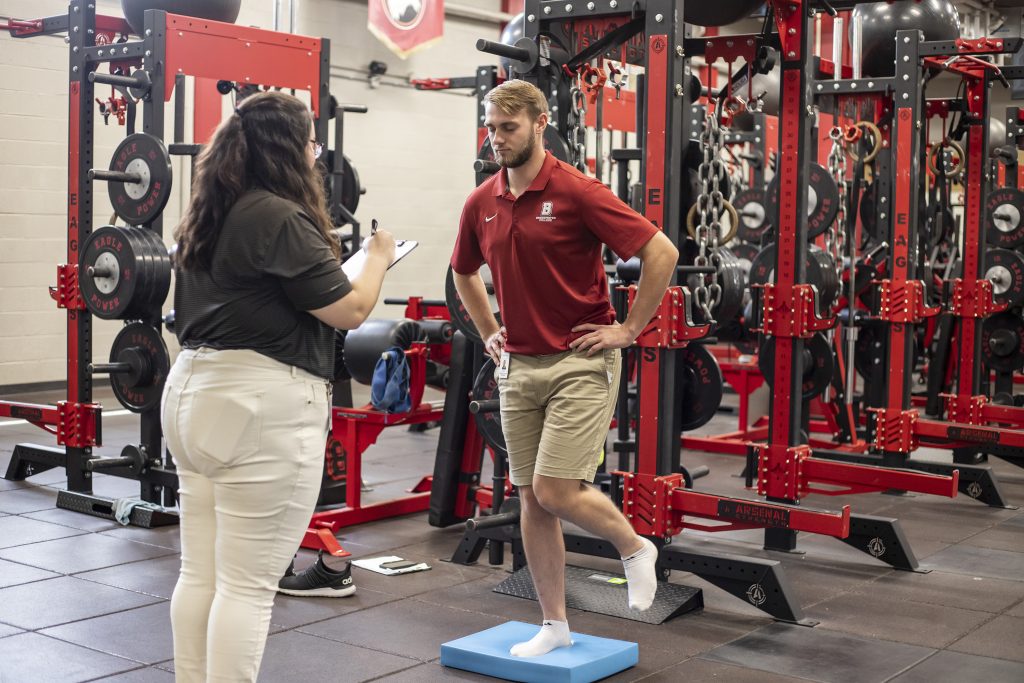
(734, 222)
(954, 170)
(875, 133)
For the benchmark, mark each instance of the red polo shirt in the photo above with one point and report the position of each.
(544, 252)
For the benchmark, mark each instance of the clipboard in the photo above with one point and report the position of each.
(355, 263)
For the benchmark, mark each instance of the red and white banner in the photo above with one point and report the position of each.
(406, 25)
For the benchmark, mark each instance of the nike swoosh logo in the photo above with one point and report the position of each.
(488, 219)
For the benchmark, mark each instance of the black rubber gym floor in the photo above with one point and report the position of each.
(82, 598)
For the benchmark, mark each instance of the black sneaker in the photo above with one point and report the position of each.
(318, 580)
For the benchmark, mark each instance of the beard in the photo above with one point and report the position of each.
(515, 159)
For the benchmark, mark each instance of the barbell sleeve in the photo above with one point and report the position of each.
(491, 521)
(114, 176)
(490, 405)
(109, 368)
(502, 50)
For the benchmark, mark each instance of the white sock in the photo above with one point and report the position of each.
(552, 634)
(641, 577)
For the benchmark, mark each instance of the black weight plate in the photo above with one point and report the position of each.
(351, 189)
(485, 388)
(1002, 342)
(553, 141)
(144, 275)
(822, 200)
(114, 297)
(160, 276)
(940, 222)
(734, 283)
(143, 347)
(459, 314)
(1005, 268)
(341, 372)
(754, 222)
(821, 272)
(818, 364)
(1004, 218)
(702, 385)
(139, 203)
(867, 350)
(868, 213)
(817, 268)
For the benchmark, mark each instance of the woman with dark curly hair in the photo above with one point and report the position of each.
(247, 403)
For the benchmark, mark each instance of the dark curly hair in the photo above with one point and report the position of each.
(260, 147)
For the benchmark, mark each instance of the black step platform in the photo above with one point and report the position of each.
(99, 506)
(603, 593)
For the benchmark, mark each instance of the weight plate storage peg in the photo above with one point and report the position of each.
(139, 179)
(123, 272)
(1005, 269)
(822, 200)
(138, 367)
(1004, 218)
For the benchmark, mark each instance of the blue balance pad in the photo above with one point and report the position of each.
(588, 659)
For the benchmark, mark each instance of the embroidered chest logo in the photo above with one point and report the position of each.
(545, 212)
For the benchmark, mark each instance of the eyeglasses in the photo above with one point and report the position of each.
(318, 148)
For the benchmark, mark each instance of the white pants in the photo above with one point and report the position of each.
(247, 434)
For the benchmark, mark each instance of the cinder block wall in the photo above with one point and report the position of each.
(413, 152)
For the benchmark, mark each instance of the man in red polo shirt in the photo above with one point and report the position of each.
(540, 225)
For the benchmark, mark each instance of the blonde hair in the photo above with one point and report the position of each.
(512, 97)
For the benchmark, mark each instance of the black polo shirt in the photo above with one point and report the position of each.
(271, 265)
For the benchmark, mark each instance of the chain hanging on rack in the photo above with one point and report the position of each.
(577, 126)
(835, 236)
(710, 207)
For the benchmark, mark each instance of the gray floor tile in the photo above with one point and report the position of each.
(1017, 610)
(955, 667)
(1003, 638)
(33, 658)
(163, 536)
(901, 621)
(287, 658)
(6, 630)
(819, 654)
(75, 520)
(290, 611)
(999, 537)
(973, 561)
(153, 577)
(149, 674)
(17, 530)
(1017, 521)
(28, 499)
(82, 553)
(61, 600)
(12, 574)
(429, 673)
(977, 593)
(406, 627)
(142, 635)
(700, 669)
(479, 596)
(683, 636)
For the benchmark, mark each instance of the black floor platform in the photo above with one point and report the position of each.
(82, 598)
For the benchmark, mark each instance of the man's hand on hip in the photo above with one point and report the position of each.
(495, 344)
(600, 337)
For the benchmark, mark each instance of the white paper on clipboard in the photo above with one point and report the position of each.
(354, 265)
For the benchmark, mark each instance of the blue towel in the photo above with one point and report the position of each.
(123, 509)
(389, 391)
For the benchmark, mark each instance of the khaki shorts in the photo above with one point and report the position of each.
(556, 412)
